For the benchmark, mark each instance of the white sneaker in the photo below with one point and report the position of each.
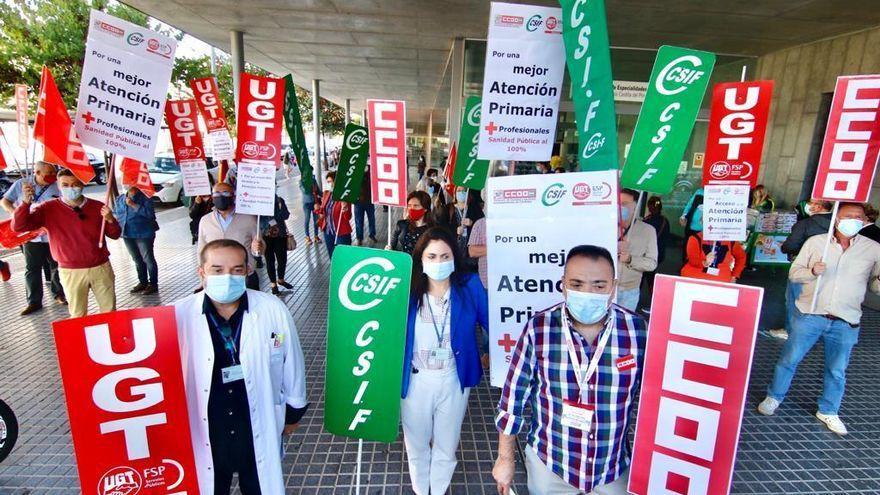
(833, 422)
(778, 333)
(768, 406)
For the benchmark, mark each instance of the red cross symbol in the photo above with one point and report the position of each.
(507, 343)
(88, 117)
(491, 127)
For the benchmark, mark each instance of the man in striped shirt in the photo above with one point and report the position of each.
(578, 365)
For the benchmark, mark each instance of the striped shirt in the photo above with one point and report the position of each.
(542, 376)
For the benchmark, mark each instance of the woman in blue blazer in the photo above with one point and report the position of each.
(442, 358)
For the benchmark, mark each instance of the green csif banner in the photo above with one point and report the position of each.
(366, 333)
(352, 163)
(469, 171)
(588, 55)
(293, 121)
(675, 92)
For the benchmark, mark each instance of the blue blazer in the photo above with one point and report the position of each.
(469, 305)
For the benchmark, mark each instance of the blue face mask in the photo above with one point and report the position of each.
(224, 289)
(71, 194)
(439, 271)
(461, 196)
(624, 214)
(850, 226)
(586, 307)
(431, 190)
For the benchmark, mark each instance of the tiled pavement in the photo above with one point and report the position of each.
(790, 453)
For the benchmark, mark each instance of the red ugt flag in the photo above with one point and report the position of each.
(53, 128)
(135, 173)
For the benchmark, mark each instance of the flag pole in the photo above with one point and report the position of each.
(824, 255)
(357, 476)
(389, 227)
(111, 180)
(14, 158)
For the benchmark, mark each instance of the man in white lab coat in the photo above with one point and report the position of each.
(244, 375)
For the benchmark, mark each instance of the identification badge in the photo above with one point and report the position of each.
(441, 354)
(576, 415)
(714, 271)
(232, 374)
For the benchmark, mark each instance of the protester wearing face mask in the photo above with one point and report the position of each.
(441, 360)
(137, 219)
(852, 262)
(723, 261)
(37, 255)
(417, 221)
(578, 365)
(816, 222)
(225, 223)
(244, 375)
(334, 218)
(636, 251)
(74, 224)
(429, 178)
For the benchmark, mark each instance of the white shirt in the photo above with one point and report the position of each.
(425, 334)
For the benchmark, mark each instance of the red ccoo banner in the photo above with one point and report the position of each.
(737, 126)
(11, 239)
(135, 173)
(699, 353)
(125, 399)
(182, 118)
(387, 123)
(852, 141)
(260, 108)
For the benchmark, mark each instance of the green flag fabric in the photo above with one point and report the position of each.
(352, 163)
(469, 171)
(293, 122)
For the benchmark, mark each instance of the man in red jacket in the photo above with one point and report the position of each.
(74, 226)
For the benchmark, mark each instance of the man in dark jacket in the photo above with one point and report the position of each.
(816, 223)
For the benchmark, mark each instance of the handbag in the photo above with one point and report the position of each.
(291, 242)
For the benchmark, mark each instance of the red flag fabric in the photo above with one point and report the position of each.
(2, 160)
(53, 128)
(11, 239)
(450, 170)
(135, 173)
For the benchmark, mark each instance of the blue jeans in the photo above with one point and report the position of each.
(792, 293)
(141, 251)
(328, 241)
(806, 330)
(359, 211)
(628, 298)
(309, 212)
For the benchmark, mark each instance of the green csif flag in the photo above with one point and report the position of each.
(678, 83)
(366, 334)
(588, 55)
(352, 163)
(469, 171)
(293, 122)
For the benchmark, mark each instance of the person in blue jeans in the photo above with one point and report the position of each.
(309, 216)
(851, 264)
(364, 206)
(137, 218)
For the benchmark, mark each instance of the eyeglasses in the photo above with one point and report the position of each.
(79, 213)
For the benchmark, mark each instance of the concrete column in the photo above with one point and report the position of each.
(456, 90)
(236, 39)
(347, 111)
(316, 120)
(428, 144)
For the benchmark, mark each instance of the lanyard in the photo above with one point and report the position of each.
(442, 330)
(37, 197)
(229, 340)
(584, 377)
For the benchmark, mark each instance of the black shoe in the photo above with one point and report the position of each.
(138, 288)
(373, 238)
(284, 284)
(31, 308)
(275, 291)
(150, 289)
(260, 262)
(61, 300)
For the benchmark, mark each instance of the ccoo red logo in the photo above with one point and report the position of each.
(121, 480)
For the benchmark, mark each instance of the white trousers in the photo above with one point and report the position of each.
(543, 481)
(431, 415)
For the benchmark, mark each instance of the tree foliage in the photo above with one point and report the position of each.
(34, 33)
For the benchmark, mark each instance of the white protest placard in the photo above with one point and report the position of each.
(125, 78)
(525, 63)
(532, 222)
(195, 178)
(255, 189)
(724, 212)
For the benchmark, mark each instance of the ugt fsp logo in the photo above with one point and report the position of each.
(553, 194)
(121, 480)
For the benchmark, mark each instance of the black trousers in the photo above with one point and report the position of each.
(36, 258)
(276, 252)
(252, 281)
(239, 460)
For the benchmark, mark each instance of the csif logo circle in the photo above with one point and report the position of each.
(553, 194)
(473, 117)
(680, 73)
(362, 284)
(534, 22)
(356, 139)
(594, 144)
(135, 39)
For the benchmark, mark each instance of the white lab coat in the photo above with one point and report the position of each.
(274, 377)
